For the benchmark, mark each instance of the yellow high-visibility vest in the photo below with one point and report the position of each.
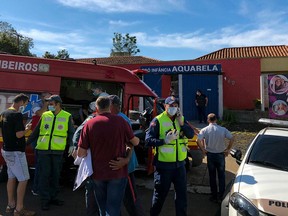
(174, 151)
(53, 131)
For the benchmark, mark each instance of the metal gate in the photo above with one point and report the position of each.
(208, 84)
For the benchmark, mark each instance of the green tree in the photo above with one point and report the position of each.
(124, 45)
(61, 54)
(14, 43)
(49, 55)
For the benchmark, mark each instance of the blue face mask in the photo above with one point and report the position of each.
(51, 108)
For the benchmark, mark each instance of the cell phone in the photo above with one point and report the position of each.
(178, 113)
(29, 122)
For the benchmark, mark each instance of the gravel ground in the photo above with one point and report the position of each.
(244, 133)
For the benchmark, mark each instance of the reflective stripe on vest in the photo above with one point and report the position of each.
(58, 136)
(168, 152)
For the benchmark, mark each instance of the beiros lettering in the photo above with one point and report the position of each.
(20, 66)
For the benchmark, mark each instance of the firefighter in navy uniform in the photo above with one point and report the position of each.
(170, 155)
(53, 132)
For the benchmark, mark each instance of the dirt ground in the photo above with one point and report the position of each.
(244, 133)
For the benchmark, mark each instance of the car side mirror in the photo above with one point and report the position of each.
(237, 154)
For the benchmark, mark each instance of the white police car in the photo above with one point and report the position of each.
(260, 187)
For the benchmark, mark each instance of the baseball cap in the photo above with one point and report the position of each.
(171, 100)
(55, 98)
(114, 99)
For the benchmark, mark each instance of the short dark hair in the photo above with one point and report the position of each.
(115, 100)
(97, 86)
(103, 103)
(21, 97)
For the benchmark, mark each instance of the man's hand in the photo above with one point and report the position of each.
(204, 152)
(71, 150)
(171, 135)
(74, 154)
(179, 117)
(28, 127)
(226, 152)
(118, 163)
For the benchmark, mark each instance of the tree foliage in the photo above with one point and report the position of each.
(125, 45)
(14, 43)
(61, 54)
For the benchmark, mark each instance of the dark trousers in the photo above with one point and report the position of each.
(50, 166)
(216, 166)
(35, 186)
(201, 113)
(162, 182)
(90, 199)
(131, 200)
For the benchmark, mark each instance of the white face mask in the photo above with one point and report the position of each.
(172, 111)
(21, 109)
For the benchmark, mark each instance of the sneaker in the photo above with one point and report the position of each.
(24, 212)
(9, 209)
(34, 193)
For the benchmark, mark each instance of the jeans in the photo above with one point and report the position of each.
(90, 199)
(216, 164)
(131, 200)
(162, 180)
(109, 195)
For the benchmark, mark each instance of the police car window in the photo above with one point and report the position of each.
(270, 151)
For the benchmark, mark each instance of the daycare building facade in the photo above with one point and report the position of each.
(237, 78)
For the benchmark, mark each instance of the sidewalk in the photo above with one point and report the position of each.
(197, 124)
(198, 177)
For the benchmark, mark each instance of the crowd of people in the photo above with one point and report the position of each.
(103, 147)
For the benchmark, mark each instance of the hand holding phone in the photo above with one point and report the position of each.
(178, 113)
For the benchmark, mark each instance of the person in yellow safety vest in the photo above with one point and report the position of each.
(53, 133)
(168, 133)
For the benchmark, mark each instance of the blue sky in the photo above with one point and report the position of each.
(165, 29)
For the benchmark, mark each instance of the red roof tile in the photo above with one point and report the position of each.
(248, 52)
(117, 60)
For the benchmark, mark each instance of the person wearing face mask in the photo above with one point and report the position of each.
(170, 154)
(13, 152)
(98, 92)
(53, 132)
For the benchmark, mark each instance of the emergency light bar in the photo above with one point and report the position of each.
(274, 122)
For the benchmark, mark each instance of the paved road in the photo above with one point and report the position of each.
(199, 205)
(198, 195)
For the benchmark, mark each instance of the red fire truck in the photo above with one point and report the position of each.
(72, 81)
